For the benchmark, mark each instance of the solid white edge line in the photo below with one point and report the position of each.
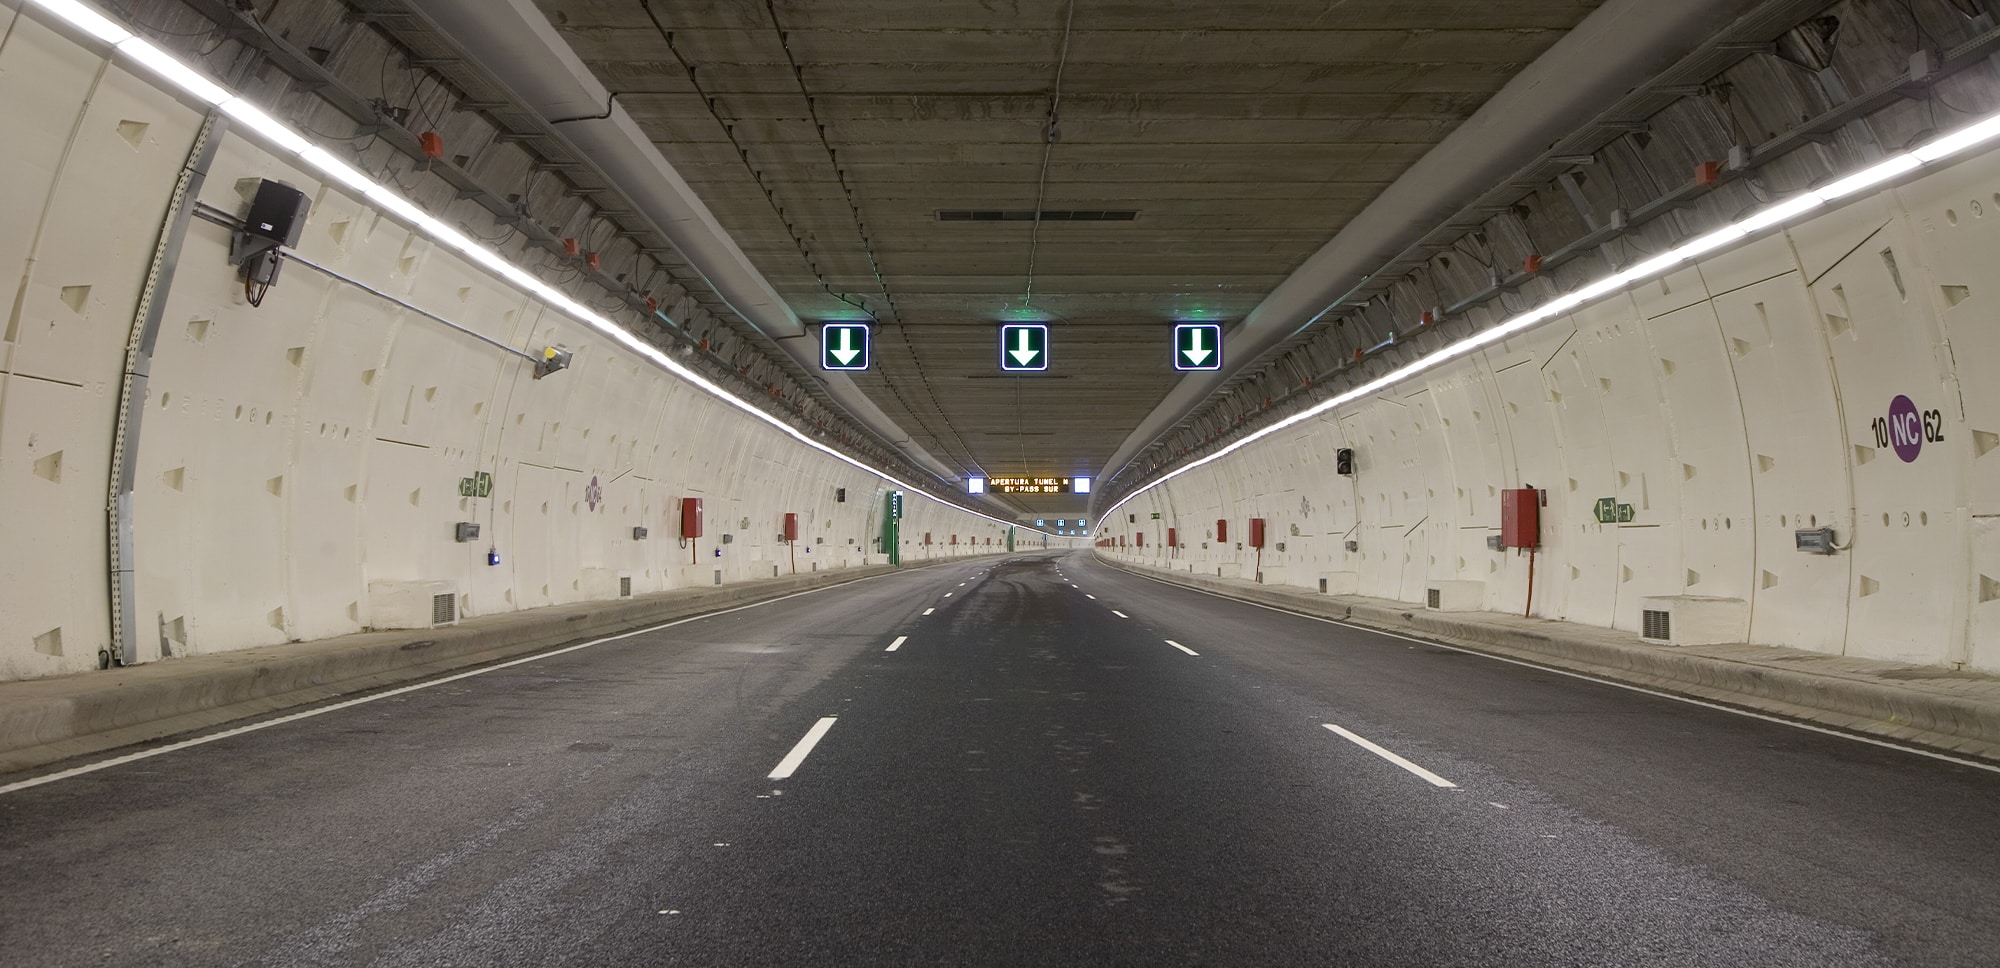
(893, 646)
(1363, 742)
(1181, 647)
(1119, 613)
(790, 764)
(1629, 687)
(397, 691)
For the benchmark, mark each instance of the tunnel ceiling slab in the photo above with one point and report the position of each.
(1243, 133)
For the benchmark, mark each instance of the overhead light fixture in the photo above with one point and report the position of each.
(192, 82)
(1895, 166)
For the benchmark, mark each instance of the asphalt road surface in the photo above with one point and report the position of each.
(1036, 760)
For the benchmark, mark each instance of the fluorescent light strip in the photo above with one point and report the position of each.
(193, 82)
(1895, 166)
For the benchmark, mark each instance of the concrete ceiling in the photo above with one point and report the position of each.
(826, 136)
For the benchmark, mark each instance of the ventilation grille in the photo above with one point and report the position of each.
(625, 586)
(444, 609)
(1436, 596)
(1656, 623)
(1028, 215)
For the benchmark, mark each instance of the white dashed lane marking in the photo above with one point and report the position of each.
(1429, 777)
(790, 764)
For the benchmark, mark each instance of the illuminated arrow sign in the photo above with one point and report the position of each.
(843, 346)
(1198, 346)
(1024, 347)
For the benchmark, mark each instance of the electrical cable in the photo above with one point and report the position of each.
(1050, 133)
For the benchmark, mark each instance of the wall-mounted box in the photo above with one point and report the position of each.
(412, 604)
(791, 526)
(1455, 596)
(1173, 537)
(1256, 533)
(690, 517)
(1693, 620)
(1221, 531)
(1521, 517)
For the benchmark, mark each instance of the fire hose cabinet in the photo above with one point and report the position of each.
(791, 526)
(690, 517)
(1256, 533)
(1221, 530)
(1521, 518)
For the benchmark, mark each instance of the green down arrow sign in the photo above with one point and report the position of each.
(1024, 347)
(1197, 346)
(843, 346)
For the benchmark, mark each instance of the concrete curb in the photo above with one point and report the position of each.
(1851, 702)
(43, 721)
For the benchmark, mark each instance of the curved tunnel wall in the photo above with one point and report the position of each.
(292, 456)
(1730, 404)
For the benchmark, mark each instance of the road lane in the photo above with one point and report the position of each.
(1023, 777)
(1901, 845)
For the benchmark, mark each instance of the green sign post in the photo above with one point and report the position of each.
(844, 346)
(1024, 347)
(892, 526)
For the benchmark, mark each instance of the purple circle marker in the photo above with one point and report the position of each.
(1906, 428)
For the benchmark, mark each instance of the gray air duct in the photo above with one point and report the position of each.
(1617, 47)
(516, 43)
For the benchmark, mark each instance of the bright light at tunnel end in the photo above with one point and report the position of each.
(193, 83)
(1783, 213)
(91, 22)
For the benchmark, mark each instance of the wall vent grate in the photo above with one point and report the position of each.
(1656, 623)
(1028, 215)
(625, 586)
(1434, 599)
(444, 609)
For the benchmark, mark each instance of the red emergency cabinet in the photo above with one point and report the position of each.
(791, 526)
(927, 539)
(1521, 518)
(1139, 539)
(1171, 535)
(1256, 532)
(690, 517)
(1221, 530)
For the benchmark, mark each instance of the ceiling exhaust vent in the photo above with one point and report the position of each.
(1028, 215)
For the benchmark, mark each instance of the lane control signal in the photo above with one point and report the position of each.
(1197, 346)
(844, 346)
(1024, 347)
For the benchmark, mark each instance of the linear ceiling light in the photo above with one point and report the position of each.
(1938, 150)
(172, 70)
